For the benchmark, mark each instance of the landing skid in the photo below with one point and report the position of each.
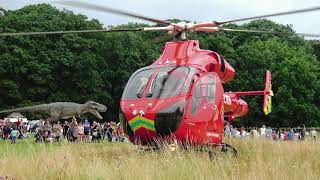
(224, 148)
(148, 148)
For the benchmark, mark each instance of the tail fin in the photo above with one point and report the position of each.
(267, 94)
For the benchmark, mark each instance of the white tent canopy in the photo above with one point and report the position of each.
(15, 117)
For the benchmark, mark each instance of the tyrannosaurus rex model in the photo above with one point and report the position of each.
(64, 110)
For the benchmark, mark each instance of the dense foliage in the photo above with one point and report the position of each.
(96, 66)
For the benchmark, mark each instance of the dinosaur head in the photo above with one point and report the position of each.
(94, 108)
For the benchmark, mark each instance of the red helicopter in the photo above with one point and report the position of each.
(181, 95)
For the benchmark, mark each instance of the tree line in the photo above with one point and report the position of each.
(96, 66)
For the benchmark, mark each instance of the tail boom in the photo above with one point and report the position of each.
(234, 106)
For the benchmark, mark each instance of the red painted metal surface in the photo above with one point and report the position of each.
(195, 114)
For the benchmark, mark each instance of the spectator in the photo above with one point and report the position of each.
(28, 128)
(48, 128)
(13, 135)
(94, 129)
(303, 133)
(281, 135)
(243, 132)
(65, 129)
(269, 133)
(227, 130)
(290, 135)
(73, 130)
(314, 134)
(263, 131)
(274, 135)
(6, 131)
(297, 134)
(105, 130)
(80, 132)
(285, 135)
(87, 130)
(233, 131)
(1, 133)
(237, 133)
(109, 132)
(114, 130)
(39, 135)
(100, 130)
(120, 133)
(57, 131)
(254, 133)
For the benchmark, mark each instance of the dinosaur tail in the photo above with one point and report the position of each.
(36, 108)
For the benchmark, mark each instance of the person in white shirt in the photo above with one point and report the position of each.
(314, 134)
(254, 133)
(237, 133)
(269, 133)
(263, 131)
(243, 132)
(28, 127)
(227, 130)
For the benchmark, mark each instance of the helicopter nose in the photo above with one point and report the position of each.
(168, 119)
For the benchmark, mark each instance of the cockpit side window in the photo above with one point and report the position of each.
(137, 85)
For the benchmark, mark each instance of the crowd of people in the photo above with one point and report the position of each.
(47, 132)
(79, 132)
(14, 131)
(84, 131)
(289, 134)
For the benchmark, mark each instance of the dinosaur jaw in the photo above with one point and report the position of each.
(97, 114)
(94, 108)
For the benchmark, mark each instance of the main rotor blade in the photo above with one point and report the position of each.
(111, 10)
(66, 32)
(268, 32)
(250, 31)
(271, 15)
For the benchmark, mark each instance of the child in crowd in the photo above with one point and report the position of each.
(13, 135)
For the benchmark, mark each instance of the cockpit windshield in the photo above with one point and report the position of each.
(162, 82)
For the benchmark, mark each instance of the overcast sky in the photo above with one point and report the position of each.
(196, 10)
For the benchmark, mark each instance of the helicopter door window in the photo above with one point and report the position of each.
(211, 91)
(203, 94)
(199, 98)
(201, 91)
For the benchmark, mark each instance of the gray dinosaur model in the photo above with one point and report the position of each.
(64, 110)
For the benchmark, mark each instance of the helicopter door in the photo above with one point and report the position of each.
(201, 105)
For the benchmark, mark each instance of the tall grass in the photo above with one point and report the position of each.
(256, 160)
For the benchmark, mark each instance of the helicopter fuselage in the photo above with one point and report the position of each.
(180, 96)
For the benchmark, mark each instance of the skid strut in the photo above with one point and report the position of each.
(226, 147)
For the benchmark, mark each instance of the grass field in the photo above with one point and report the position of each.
(256, 160)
